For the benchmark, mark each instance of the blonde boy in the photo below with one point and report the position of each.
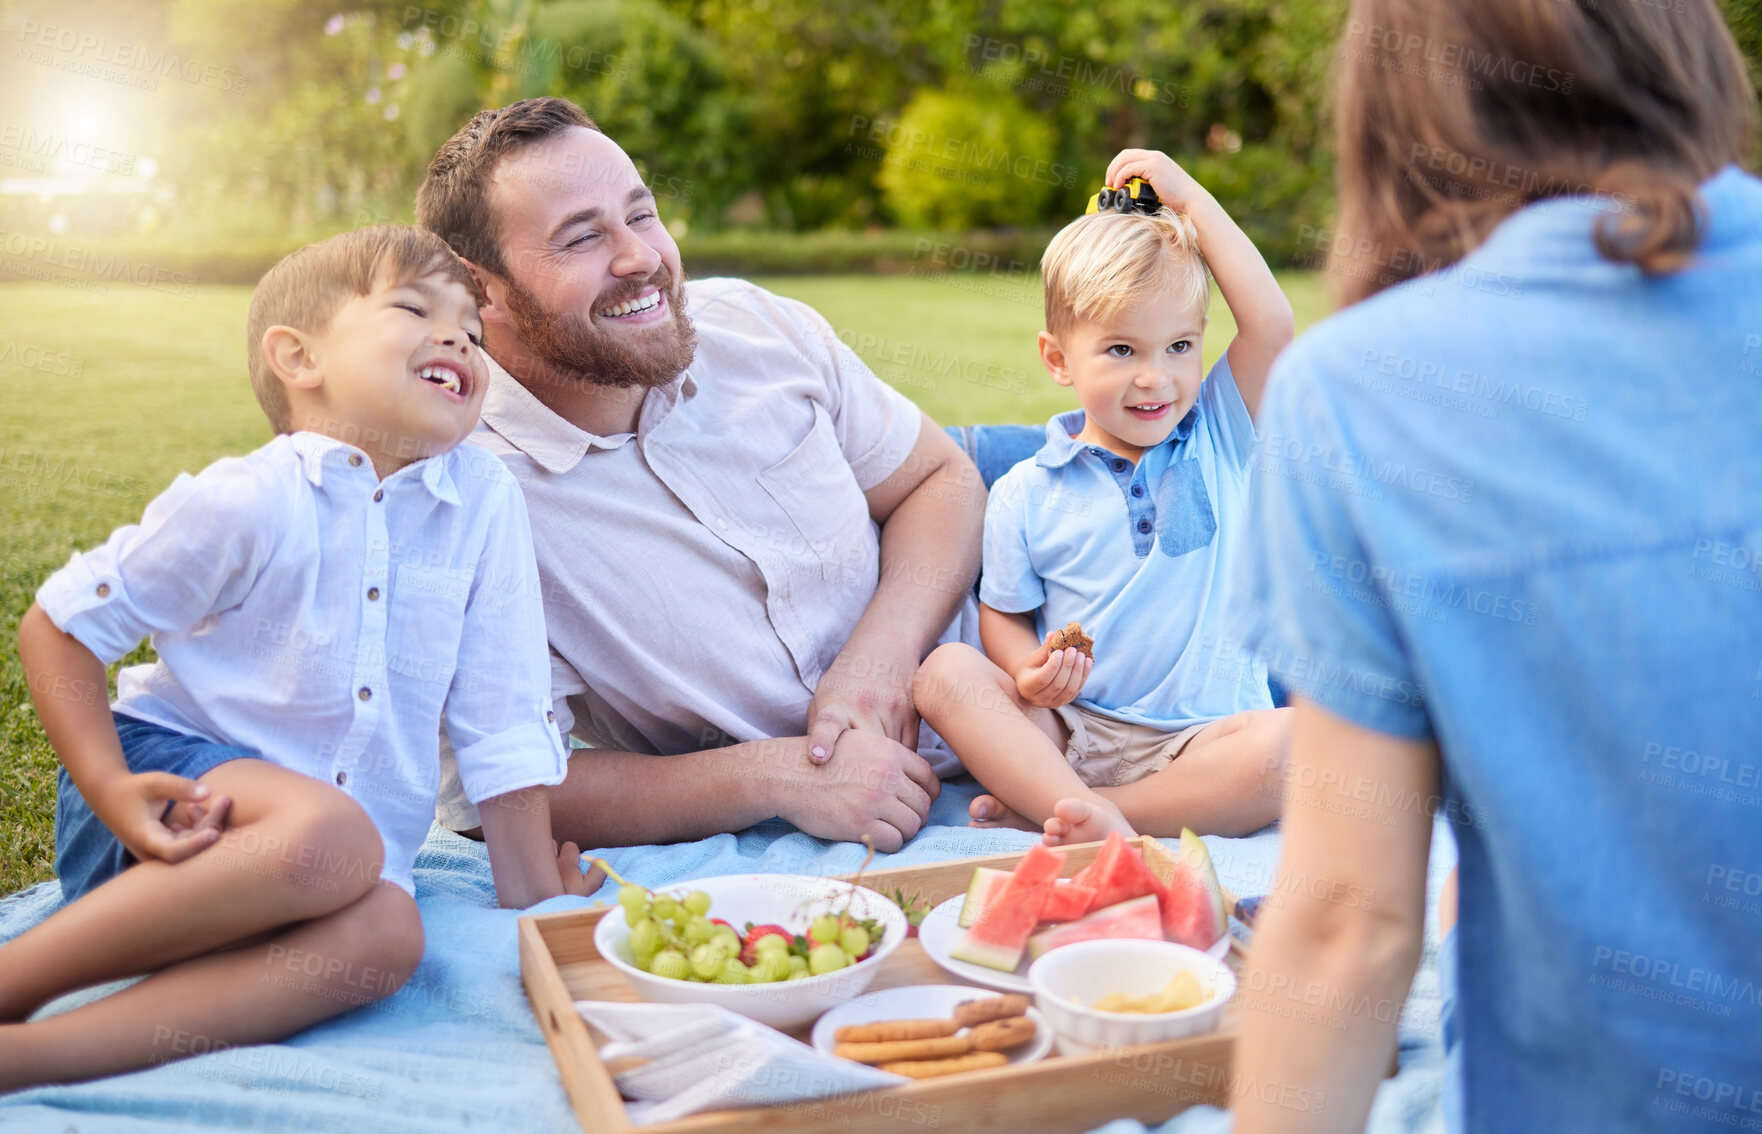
(1128, 522)
(258, 793)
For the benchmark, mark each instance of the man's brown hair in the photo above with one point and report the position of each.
(1453, 114)
(454, 198)
(305, 289)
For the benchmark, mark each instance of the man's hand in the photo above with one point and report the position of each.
(864, 692)
(137, 810)
(1050, 678)
(1174, 186)
(873, 786)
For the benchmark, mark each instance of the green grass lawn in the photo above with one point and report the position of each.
(108, 397)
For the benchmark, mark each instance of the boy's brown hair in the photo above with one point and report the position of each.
(307, 287)
(1453, 114)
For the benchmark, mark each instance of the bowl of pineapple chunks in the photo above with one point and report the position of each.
(781, 949)
(1121, 993)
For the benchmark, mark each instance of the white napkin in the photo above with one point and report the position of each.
(701, 1057)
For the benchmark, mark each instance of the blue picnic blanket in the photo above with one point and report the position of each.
(457, 1049)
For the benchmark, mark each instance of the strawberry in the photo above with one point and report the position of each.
(747, 954)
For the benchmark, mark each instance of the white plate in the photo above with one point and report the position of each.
(921, 1002)
(940, 932)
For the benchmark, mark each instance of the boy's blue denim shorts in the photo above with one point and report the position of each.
(86, 853)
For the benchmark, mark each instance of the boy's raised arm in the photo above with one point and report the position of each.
(1264, 322)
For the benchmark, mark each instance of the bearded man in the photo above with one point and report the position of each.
(747, 541)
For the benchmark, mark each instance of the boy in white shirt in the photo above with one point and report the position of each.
(254, 800)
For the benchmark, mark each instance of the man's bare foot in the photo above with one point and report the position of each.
(990, 811)
(1083, 821)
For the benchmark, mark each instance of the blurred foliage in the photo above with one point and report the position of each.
(792, 115)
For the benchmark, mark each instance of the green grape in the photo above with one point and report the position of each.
(698, 930)
(728, 937)
(698, 902)
(645, 938)
(770, 968)
(798, 967)
(665, 907)
(854, 940)
(771, 945)
(824, 959)
(707, 960)
(671, 964)
(825, 929)
(733, 972)
(632, 896)
(635, 915)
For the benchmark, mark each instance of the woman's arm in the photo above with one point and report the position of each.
(1333, 971)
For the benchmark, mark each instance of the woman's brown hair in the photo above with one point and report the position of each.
(1453, 114)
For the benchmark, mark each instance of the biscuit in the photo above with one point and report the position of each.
(896, 1050)
(1001, 1035)
(889, 1031)
(1073, 638)
(931, 1068)
(974, 1012)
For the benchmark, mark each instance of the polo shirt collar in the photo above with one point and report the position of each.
(554, 443)
(1062, 446)
(314, 450)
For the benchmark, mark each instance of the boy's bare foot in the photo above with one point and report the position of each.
(990, 811)
(1083, 821)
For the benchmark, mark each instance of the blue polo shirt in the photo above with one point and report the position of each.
(1139, 554)
(1516, 507)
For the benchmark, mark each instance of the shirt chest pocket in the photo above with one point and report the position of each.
(424, 625)
(1185, 520)
(819, 496)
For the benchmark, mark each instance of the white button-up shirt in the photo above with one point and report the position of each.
(306, 611)
(701, 573)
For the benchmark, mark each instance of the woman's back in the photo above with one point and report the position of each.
(1528, 502)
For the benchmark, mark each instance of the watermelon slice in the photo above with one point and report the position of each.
(997, 939)
(1192, 901)
(1117, 874)
(1137, 917)
(987, 883)
(1069, 900)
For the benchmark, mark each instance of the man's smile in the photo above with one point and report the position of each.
(651, 303)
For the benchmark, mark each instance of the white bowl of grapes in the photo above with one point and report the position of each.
(781, 949)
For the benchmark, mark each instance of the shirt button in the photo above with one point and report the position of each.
(378, 495)
(1119, 466)
(354, 462)
(103, 590)
(1137, 490)
(364, 693)
(342, 778)
(550, 717)
(372, 594)
(1144, 526)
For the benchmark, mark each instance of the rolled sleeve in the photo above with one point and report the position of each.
(198, 548)
(499, 717)
(877, 426)
(1008, 581)
(1326, 643)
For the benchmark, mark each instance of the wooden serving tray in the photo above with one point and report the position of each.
(559, 965)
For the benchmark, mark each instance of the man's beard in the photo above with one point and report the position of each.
(574, 349)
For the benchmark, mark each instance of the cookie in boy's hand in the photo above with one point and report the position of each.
(1072, 638)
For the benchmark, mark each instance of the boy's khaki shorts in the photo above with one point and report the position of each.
(1105, 752)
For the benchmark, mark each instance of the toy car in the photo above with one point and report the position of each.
(1135, 196)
